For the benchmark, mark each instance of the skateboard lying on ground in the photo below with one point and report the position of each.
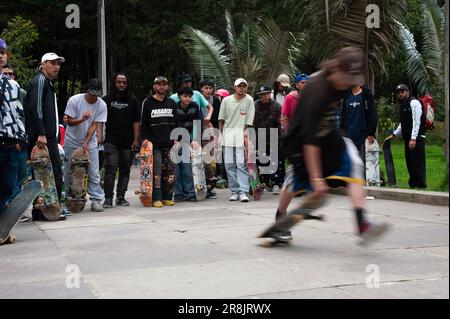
(198, 172)
(271, 236)
(372, 163)
(255, 184)
(79, 164)
(47, 201)
(11, 215)
(145, 158)
(389, 161)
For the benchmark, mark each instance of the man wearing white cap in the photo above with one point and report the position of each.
(281, 88)
(236, 115)
(41, 111)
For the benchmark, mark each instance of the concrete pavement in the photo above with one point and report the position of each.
(209, 250)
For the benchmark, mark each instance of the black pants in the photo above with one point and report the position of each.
(116, 158)
(276, 178)
(163, 174)
(416, 164)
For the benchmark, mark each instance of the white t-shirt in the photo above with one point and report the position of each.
(76, 107)
(236, 114)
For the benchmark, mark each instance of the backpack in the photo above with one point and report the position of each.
(428, 110)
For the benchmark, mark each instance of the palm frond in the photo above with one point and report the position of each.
(415, 67)
(232, 44)
(209, 55)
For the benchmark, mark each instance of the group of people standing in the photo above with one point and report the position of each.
(304, 118)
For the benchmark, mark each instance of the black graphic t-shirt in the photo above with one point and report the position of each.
(122, 113)
(159, 118)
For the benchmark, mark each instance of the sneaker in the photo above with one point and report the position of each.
(62, 217)
(24, 219)
(192, 199)
(372, 231)
(108, 203)
(179, 199)
(243, 198)
(211, 195)
(285, 237)
(121, 201)
(157, 204)
(67, 212)
(234, 197)
(168, 203)
(276, 190)
(96, 206)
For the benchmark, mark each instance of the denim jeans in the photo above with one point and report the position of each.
(13, 171)
(94, 189)
(236, 168)
(116, 158)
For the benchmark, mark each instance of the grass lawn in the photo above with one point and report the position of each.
(437, 179)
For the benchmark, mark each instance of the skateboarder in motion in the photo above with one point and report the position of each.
(321, 157)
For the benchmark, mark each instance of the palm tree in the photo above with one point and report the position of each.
(259, 53)
(426, 67)
(336, 24)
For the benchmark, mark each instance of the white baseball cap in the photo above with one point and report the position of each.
(284, 80)
(240, 81)
(52, 56)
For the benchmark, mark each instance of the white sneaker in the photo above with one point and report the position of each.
(96, 206)
(276, 190)
(243, 198)
(234, 197)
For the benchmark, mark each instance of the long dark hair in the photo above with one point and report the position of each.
(113, 89)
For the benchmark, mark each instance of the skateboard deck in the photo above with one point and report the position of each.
(11, 215)
(255, 183)
(389, 162)
(76, 199)
(198, 172)
(372, 163)
(304, 212)
(145, 158)
(47, 201)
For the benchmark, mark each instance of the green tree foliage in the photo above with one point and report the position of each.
(20, 35)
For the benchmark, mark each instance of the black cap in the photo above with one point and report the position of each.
(401, 87)
(264, 89)
(94, 87)
(184, 78)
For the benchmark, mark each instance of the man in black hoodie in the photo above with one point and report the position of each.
(122, 136)
(41, 112)
(159, 118)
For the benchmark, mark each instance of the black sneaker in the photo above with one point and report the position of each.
(211, 195)
(121, 201)
(192, 199)
(287, 236)
(108, 203)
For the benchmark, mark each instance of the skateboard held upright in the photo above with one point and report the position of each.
(198, 172)
(11, 215)
(145, 158)
(389, 161)
(372, 163)
(47, 201)
(255, 183)
(79, 164)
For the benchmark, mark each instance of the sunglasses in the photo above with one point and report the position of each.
(8, 73)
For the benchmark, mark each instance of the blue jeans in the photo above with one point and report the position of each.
(184, 183)
(94, 189)
(236, 168)
(13, 171)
